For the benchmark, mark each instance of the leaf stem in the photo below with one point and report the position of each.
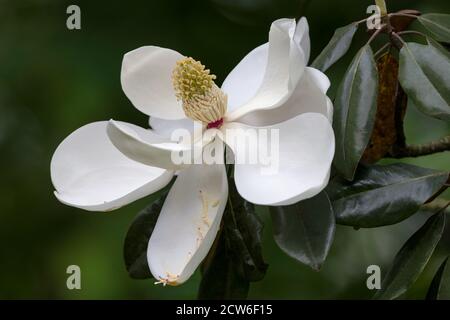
(386, 45)
(376, 33)
(360, 21)
(382, 5)
(432, 147)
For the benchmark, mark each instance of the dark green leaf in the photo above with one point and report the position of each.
(440, 286)
(220, 279)
(383, 195)
(412, 258)
(305, 230)
(336, 48)
(439, 47)
(237, 258)
(355, 107)
(244, 235)
(136, 240)
(438, 24)
(425, 78)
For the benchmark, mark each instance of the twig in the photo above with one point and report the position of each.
(440, 145)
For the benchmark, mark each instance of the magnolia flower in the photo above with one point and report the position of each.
(105, 165)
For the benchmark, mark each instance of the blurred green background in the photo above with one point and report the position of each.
(53, 80)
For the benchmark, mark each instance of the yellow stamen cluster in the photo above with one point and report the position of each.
(194, 86)
(190, 78)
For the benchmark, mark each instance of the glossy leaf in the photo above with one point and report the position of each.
(136, 240)
(438, 24)
(439, 47)
(412, 258)
(243, 230)
(336, 48)
(305, 230)
(383, 195)
(440, 286)
(354, 115)
(236, 258)
(220, 279)
(425, 78)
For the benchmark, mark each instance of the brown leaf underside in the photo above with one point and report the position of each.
(384, 134)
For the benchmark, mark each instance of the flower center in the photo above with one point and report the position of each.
(215, 124)
(201, 98)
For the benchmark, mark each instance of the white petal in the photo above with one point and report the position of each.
(188, 223)
(306, 149)
(308, 96)
(172, 129)
(168, 128)
(147, 147)
(88, 172)
(245, 79)
(301, 37)
(147, 81)
(319, 78)
(266, 76)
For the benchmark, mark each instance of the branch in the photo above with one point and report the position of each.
(440, 145)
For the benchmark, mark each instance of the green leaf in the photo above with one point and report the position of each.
(244, 235)
(424, 76)
(383, 195)
(305, 230)
(440, 286)
(136, 240)
(336, 48)
(439, 47)
(412, 258)
(220, 279)
(354, 114)
(438, 24)
(237, 257)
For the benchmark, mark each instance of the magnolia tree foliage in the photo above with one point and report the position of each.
(396, 65)
(369, 108)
